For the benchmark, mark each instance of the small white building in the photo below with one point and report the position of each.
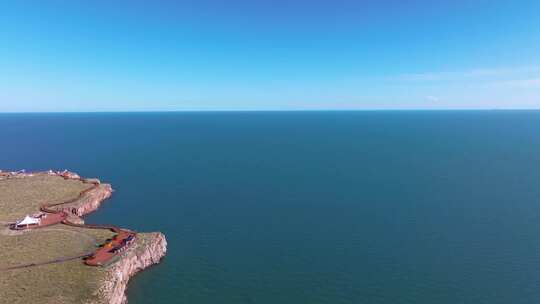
(27, 221)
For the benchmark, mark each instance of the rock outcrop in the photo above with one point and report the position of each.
(91, 200)
(150, 248)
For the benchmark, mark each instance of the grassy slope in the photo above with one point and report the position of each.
(21, 196)
(67, 282)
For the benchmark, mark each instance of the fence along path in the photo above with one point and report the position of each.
(46, 207)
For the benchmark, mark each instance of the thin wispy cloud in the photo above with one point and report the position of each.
(523, 83)
(486, 74)
(433, 99)
(196, 55)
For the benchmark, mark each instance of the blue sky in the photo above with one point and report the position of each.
(261, 55)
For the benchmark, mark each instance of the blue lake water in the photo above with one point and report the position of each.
(311, 207)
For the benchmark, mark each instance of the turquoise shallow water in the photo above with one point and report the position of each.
(314, 207)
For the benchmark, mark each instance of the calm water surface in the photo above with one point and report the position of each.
(318, 207)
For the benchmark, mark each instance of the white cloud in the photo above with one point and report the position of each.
(433, 99)
(473, 74)
(523, 83)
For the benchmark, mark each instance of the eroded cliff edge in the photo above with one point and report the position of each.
(149, 250)
(112, 280)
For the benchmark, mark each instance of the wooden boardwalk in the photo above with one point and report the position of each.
(100, 257)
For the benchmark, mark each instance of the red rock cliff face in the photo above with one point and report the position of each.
(150, 248)
(91, 200)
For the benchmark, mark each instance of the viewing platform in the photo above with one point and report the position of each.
(118, 244)
(38, 221)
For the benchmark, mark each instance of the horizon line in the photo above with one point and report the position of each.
(276, 110)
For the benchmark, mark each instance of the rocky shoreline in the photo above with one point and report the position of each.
(148, 250)
(134, 260)
(92, 200)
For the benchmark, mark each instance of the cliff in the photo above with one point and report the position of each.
(91, 200)
(52, 254)
(150, 248)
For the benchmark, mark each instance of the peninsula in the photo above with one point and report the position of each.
(49, 255)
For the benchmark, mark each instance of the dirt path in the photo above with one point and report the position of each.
(59, 260)
(48, 209)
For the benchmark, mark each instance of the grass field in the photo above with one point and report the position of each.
(21, 196)
(66, 282)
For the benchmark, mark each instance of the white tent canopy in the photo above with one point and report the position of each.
(28, 221)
